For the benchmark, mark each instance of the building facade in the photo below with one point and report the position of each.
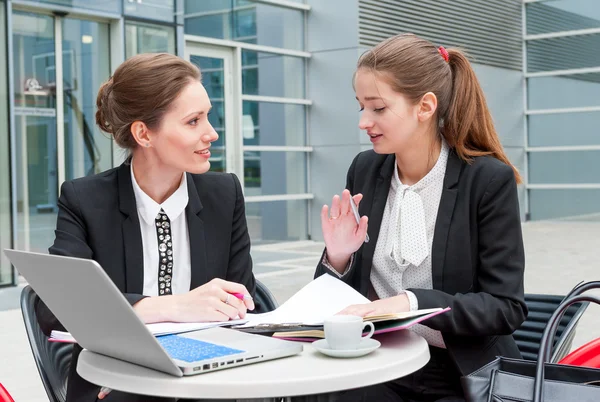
(279, 73)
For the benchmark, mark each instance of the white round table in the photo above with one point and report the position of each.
(310, 372)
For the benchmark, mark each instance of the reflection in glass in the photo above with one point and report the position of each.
(162, 10)
(270, 74)
(562, 15)
(111, 6)
(277, 220)
(35, 130)
(148, 38)
(212, 70)
(85, 67)
(245, 21)
(281, 124)
(6, 275)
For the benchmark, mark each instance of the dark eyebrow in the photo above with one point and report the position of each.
(199, 113)
(369, 98)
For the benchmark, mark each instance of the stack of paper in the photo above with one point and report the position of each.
(303, 315)
(157, 329)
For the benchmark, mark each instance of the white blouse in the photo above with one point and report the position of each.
(174, 207)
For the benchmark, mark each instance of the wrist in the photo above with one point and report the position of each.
(338, 262)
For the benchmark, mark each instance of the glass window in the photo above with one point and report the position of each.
(86, 65)
(549, 130)
(277, 220)
(148, 38)
(564, 53)
(35, 147)
(270, 74)
(266, 123)
(562, 15)
(564, 91)
(245, 21)
(112, 6)
(161, 10)
(274, 172)
(564, 167)
(551, 204)
(5, 201)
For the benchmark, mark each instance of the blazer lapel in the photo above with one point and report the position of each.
(197, 236)
(375, 214)
(444, 218)
(132, 236)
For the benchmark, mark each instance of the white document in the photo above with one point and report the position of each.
(320, 299)
(159, 328)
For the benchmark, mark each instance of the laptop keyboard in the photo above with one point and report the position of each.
(193, 350)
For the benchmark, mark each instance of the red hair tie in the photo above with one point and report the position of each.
(444, 53)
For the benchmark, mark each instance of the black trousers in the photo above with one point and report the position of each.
(438, 381)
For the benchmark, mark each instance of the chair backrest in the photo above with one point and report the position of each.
(53, 359)
(264, 299)
(541, 307)
(4, 395)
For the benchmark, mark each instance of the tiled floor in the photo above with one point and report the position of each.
(559, 255)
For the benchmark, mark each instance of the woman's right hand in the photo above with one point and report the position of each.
(213, 301)
(342, 235)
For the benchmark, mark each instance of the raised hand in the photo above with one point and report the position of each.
(342, 235)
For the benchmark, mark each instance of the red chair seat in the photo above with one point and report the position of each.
(587, 355)
(4, 395)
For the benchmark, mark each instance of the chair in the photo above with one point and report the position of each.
(587, 355)
(541, 307)
(264, 298)
(53, 359)
(4, 395)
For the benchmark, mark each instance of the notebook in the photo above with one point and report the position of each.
(303, 315)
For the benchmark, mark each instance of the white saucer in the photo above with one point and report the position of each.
(365, 347)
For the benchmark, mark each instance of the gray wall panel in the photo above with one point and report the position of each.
(490, 30)
(332, 24)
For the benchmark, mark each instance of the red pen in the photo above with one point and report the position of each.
(242, 296)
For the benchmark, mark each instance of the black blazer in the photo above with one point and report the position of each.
(477, 254)
(98, 219)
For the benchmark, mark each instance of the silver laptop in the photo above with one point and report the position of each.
(94, 311)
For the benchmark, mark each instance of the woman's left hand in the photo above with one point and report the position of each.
(395, 304)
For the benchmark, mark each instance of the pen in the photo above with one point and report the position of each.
(357, 216)
(241, 296)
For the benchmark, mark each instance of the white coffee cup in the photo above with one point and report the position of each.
(344, 332)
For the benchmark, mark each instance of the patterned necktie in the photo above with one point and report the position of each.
(165, 253)
(413, 234)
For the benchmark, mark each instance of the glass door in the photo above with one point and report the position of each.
(216, 66)
(54, 104)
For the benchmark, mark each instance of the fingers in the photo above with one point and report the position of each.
(103, 392)
(360, 310)
(324, 216)
(345, 203)
(235, 289)
(229, 309)
(357, 198)
(232, 306)
(335, 207)
(363, 225)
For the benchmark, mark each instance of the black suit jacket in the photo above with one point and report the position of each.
(477, 254)
(98, 219)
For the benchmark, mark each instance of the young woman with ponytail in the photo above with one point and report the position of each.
(438, 199)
